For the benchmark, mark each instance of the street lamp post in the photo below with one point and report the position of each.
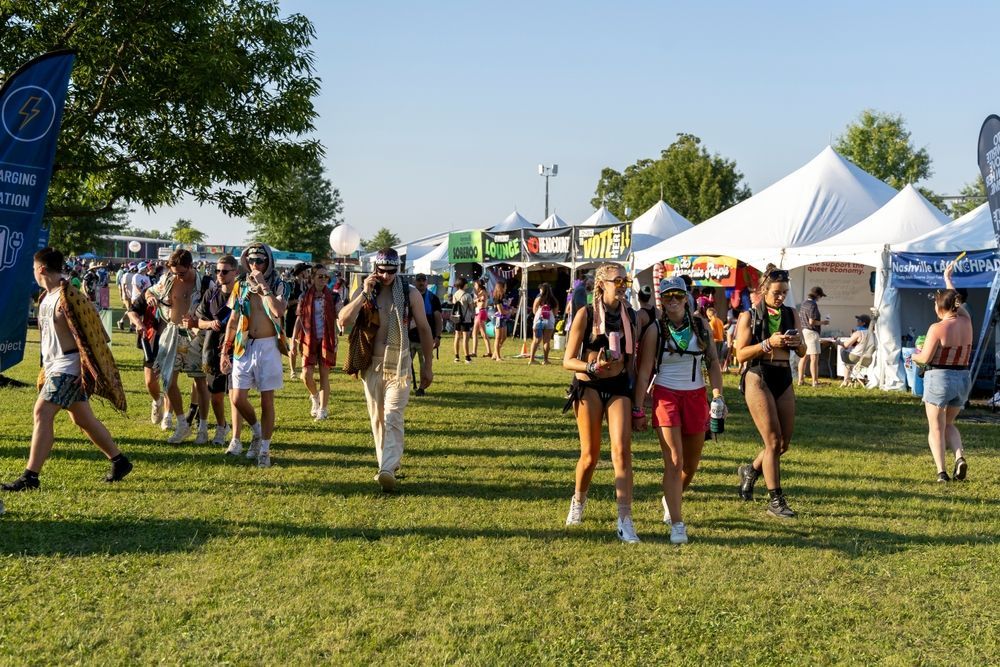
(547, 170)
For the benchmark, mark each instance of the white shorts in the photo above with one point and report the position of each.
(811, 339)
(260, 367)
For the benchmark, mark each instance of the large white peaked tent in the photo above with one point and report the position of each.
(513, 222)
(824, 197)
(972, 231)
(553, 222)
(435, 261)
(601, 216)
(658, 223)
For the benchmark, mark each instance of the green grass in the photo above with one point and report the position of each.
(195, 559)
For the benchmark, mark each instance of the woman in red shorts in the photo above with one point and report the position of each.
(672, 355)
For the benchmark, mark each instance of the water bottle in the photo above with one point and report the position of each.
(614, 345)
(717, 414)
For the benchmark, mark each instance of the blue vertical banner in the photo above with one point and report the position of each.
(31, 108)
(989, 167)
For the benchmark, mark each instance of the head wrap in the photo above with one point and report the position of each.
(387, 257)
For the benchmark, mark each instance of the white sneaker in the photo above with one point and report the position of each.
(575, 516)
(254, 447)
(156, 412)
(167, 422)
(264, 459)
(291, 374)
(321, 415)
(678, 533)
(235, 447)
(386, 480)
(666, 511)
(315, 406)
(182, 431)
(626, 531)
(202, 436)
(221, 433)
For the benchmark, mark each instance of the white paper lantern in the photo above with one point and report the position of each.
(344, 240)
(134, 246)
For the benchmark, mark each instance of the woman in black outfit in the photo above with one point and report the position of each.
(764, 336)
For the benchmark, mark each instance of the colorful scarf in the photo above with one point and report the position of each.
(239, 300)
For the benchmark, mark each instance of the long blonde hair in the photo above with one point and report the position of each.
(602, 273)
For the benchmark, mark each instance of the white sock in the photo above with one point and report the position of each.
(181, 421)
(202, 424)
(235, 441)
(265, 446)
(256, 429)
(624, 510)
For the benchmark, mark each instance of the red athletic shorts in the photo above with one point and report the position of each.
(685, 408)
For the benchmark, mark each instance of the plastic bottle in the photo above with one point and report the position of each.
(717, 416)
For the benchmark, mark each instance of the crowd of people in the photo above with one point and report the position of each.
(227, 329)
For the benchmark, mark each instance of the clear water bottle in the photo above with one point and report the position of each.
(717, 416)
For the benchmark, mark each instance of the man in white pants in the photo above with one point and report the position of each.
(255, 338)
(387, 379)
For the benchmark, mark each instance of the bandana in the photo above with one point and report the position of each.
(773, 319)
(381, 259)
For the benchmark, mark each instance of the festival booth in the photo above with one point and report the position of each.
(824, 197)
(916, 269)
(434, 262)
(852, 267)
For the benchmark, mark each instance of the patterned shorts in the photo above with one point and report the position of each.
(63, 390)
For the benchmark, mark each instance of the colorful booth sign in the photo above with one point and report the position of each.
(501, 247)
(705, 270)
(555, 246)
(465, 247)
(924, 270)
(612, 243)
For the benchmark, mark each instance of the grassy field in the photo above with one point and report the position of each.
(197, 559)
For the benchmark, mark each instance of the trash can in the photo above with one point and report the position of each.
(914, 381)
(558, 341)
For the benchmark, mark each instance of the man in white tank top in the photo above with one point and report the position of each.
(63, 388)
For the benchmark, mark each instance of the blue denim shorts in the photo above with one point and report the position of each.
(946, 387)
(63, 390)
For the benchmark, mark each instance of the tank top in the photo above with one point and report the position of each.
(675, 370)
(54, 359)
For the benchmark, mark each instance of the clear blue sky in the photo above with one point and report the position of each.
(435, 115)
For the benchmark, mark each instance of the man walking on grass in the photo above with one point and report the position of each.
(213, 316)
(432, 310)
(255, 338)
(385, 297)
(64, 383)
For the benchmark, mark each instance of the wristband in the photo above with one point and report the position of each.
(765, 346)
(638, 413)
(592, 368)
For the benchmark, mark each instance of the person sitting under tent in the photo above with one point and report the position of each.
(858, 349)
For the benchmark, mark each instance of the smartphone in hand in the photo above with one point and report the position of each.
(792, 332)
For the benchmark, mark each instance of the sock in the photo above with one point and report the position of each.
(265, 446)
(624, 510)
(30, 474)
(119, 458)
(202, 424)
(580, 497)
(235, 441)
(256, 429)
(774, 493)
(192, 413)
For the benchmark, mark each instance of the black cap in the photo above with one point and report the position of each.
(420, 276)
(864, 319)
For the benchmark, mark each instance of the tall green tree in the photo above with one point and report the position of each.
(146, 233)
(973, 194)
(383, 239)
(695, 183)
(184, 232)
(880, 144)
(298, 212)
(198, 98)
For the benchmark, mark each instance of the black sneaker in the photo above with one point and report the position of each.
(779, 508)
(457, 360)
(961, 469)
(118, 470)
(22, 483)
(419, 391)
(748, 477)
(943, 477)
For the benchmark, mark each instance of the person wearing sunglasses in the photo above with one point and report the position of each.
(764, 337)
(600, 352)
(316, 336)
(386, 299)
(256, 340)
(213, 316)
(671, 357)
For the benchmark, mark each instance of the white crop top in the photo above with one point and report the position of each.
(676, 369)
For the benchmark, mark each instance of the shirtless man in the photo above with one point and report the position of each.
(253, 336)
(387, 379)
(180, 347)
(63, 388)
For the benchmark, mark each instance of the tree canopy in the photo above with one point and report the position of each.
(696, 184)
(184, 232)
(972, 195)
(880, 144)
(297, 212)
(197, 98)
(383, 239)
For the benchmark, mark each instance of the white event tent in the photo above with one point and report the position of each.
(435, 261)
(512, 222)
(907, 216)
(601, 216)
(658, 223)
(824, 197)
(553, 222)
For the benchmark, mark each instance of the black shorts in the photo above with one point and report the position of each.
(149, 349)
(463, 326)
(218, 384)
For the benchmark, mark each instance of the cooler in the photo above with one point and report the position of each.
(914, 381)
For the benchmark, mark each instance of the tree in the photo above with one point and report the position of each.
(297, 212)
(696, 184)
(973, 194)
(383, 239)
(146, 233)
(198, 98)
(880, 144)
(184, 232)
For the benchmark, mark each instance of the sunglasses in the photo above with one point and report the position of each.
(675, 296)
(322, 277)
(620, 282)
(778, 275)
(256, 260)
(224, 272)
(388, 271)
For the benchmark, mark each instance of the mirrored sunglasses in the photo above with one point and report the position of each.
(620, 281)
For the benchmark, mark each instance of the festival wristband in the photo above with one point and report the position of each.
(765, 346)
(638, 413)
(592, 368)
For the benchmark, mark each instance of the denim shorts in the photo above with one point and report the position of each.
(946, 387)
(63, 390)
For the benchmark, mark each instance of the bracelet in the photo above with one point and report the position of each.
(638, 413)
(765, 346)
(592, 368)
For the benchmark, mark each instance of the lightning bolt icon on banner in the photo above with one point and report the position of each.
(29, 113)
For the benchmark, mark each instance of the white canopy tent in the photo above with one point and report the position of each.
(825, 197)
(907, 216)
(553, 222)
(512, 222)
(434, 261)
(658, 223)
(601, 216)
